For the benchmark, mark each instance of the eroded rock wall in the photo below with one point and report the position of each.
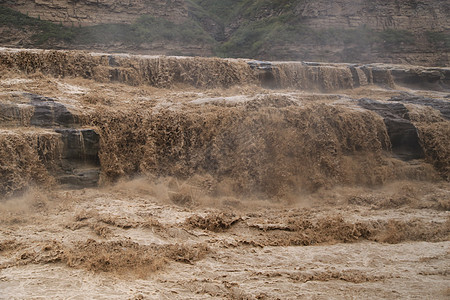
(411, 15)
(91, 12)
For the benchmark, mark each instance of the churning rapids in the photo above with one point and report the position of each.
(136, 177)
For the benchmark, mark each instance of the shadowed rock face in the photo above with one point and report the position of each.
(80, 166)
(73, 160)
(48, 113)
(402, 133)
(82, 144)
(265, 73)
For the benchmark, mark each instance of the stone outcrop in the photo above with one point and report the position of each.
(48, 113)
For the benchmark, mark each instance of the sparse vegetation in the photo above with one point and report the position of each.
(250, 38)
(439, 39)
(44, 30)
(393, 38)
(146, 29)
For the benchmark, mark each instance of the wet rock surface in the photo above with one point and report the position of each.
(265, 72)
(80, 165)
(49, 113)
(431, 78)
(360, 76)
(402, 133)
(12, 114)
(87, 176)
(81, 144)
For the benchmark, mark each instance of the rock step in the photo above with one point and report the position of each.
(28, 109)
(82, 176)
(80, 144)
(441, 105)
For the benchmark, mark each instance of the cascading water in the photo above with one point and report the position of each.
(269, 142)
(221, 173)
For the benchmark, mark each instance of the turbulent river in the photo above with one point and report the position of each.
(174, 177)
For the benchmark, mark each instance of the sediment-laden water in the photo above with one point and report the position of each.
(203, 177)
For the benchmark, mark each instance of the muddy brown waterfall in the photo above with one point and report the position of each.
(141, 177)
(272, 144)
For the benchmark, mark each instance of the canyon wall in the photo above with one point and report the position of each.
(411, 15)
(362, 31)
(92, 12)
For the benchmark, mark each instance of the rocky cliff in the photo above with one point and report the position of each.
(91, 12)
(407, 28)
(361, 31)
(411, 15)
(415, 32)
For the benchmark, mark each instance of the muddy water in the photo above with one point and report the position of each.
(231, 192)
(121, 242)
